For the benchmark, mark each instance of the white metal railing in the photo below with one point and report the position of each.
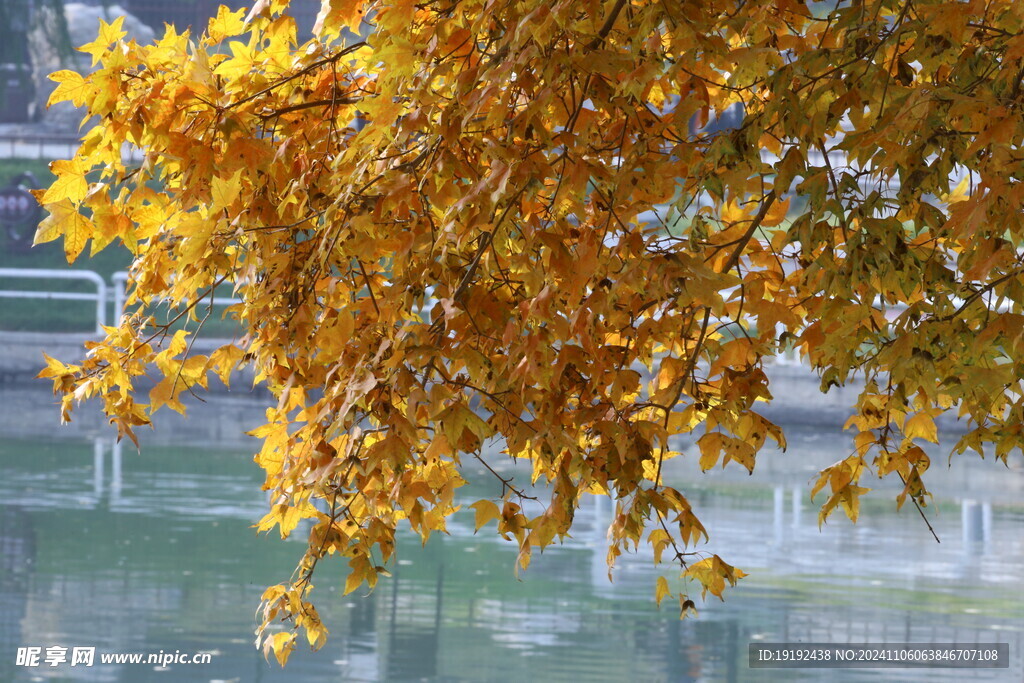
(50, 147)
(115, 293)
(119, 282)
(99, 297)
(102, 297)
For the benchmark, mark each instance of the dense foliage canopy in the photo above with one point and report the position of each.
(458, 223)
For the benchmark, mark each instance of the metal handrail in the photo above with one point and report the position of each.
(104, 293)
(51, 274)
(49, 147)
(119, 282)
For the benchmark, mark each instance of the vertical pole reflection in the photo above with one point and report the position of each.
(972, 522)
(439, 602)
(733, 650)
(602, 511)
(98, 451)
(393, 619)
(778, 514)
(364, 652)
(413, 642)
(797, 507)
(986, 524)
(115, 473)
(682, 656)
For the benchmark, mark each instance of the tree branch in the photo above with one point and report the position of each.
(754, 225)
(309, 105)
(607, 27)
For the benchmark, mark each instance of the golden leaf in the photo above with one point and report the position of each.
(65, 220)
(71, 87)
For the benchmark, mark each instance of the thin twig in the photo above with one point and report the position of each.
(921, 512)
(369, 288)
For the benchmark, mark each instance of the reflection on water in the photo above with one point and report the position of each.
(140, 552)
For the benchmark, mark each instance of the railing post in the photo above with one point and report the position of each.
(101, 304)
(118, 281)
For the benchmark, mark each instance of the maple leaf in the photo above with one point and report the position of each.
(225, 190)
(485, 511)
(108, 35)
(70, 183)
(71, 87)
(335, 15)
(921, 425)
(65, 220)
(227, 23)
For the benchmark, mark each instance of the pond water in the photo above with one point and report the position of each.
(146, 551)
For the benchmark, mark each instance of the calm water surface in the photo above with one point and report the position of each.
(141, 552)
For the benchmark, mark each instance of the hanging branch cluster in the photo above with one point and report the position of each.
(507, 222)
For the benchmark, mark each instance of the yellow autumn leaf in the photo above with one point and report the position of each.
(921, 426)
(54, 367)
(776, 213)
(316, 633)
(713, 574)
(359, 573)
(959, 193)
(225, 190)
(71, 87)
(224, 360)
(711, 445)
(338, 15)
(226, 24)
(661, 590)
(65, 220)
(282, 645)
(659, 540)
(108, 35)
(70, 183)
(166, 392)
(733, 212)
(486, 510)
